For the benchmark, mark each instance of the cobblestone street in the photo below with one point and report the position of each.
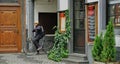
(19, 58)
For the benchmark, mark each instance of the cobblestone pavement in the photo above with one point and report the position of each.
(20, 58)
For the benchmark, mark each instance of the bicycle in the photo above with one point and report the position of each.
(46, 45)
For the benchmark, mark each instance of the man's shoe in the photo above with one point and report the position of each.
(39, 48)
(37, 53)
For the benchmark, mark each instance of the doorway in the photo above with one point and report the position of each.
(48, 21)
(79, 26)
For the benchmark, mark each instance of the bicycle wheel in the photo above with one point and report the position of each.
(47, 45)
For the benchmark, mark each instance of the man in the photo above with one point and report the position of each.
(39, 33)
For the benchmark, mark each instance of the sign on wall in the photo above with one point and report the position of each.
(62, 21)
(92, 22)
(63, 5)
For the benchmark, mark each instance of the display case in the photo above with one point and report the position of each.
(92, 22)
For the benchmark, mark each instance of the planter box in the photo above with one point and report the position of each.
(95, 62)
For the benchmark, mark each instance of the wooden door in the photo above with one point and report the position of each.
(10, 38)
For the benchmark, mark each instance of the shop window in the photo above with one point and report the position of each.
(8, 1)
(79, 14)
(114, 13)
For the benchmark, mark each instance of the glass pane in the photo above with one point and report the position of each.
(118, 7)
(112, 10)
(77, 14)
(79, 24)
(81, 5)
(117, 20)
(77, 5)
(8, 1)
(82, 15)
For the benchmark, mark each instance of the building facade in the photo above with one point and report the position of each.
(89, 18)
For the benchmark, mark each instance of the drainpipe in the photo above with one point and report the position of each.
(30, 22)
(70, 8)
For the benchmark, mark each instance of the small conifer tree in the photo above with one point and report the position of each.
(109, 51)
(97, 48)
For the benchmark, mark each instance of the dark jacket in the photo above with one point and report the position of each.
(39, 31)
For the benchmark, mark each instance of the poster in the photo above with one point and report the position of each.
(62, 21)
(91, 23)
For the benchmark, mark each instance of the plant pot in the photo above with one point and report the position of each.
(113, 63)
(97, 62)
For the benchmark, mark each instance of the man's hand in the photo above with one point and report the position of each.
(33, 30)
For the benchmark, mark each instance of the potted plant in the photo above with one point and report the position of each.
(97, 48)
(104, 50)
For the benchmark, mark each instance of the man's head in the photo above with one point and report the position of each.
(35, 23)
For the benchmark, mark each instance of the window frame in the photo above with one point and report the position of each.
(115, 15)
(10, 4)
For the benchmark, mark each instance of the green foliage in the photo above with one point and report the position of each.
(97, 48)
(109, 51)
(104, 48)
(59, 49)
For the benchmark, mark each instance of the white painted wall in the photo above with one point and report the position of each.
(117, 39)
(63, 5)
(89, 1)
(44, 6)
(114, 1)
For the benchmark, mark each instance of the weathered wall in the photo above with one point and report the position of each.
(44, 6)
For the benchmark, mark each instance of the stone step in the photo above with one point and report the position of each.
(78, 56)
(75, 61)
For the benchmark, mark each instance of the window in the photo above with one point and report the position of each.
(79, 14)
(8, 1)
(114, 13)
(48, 20)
